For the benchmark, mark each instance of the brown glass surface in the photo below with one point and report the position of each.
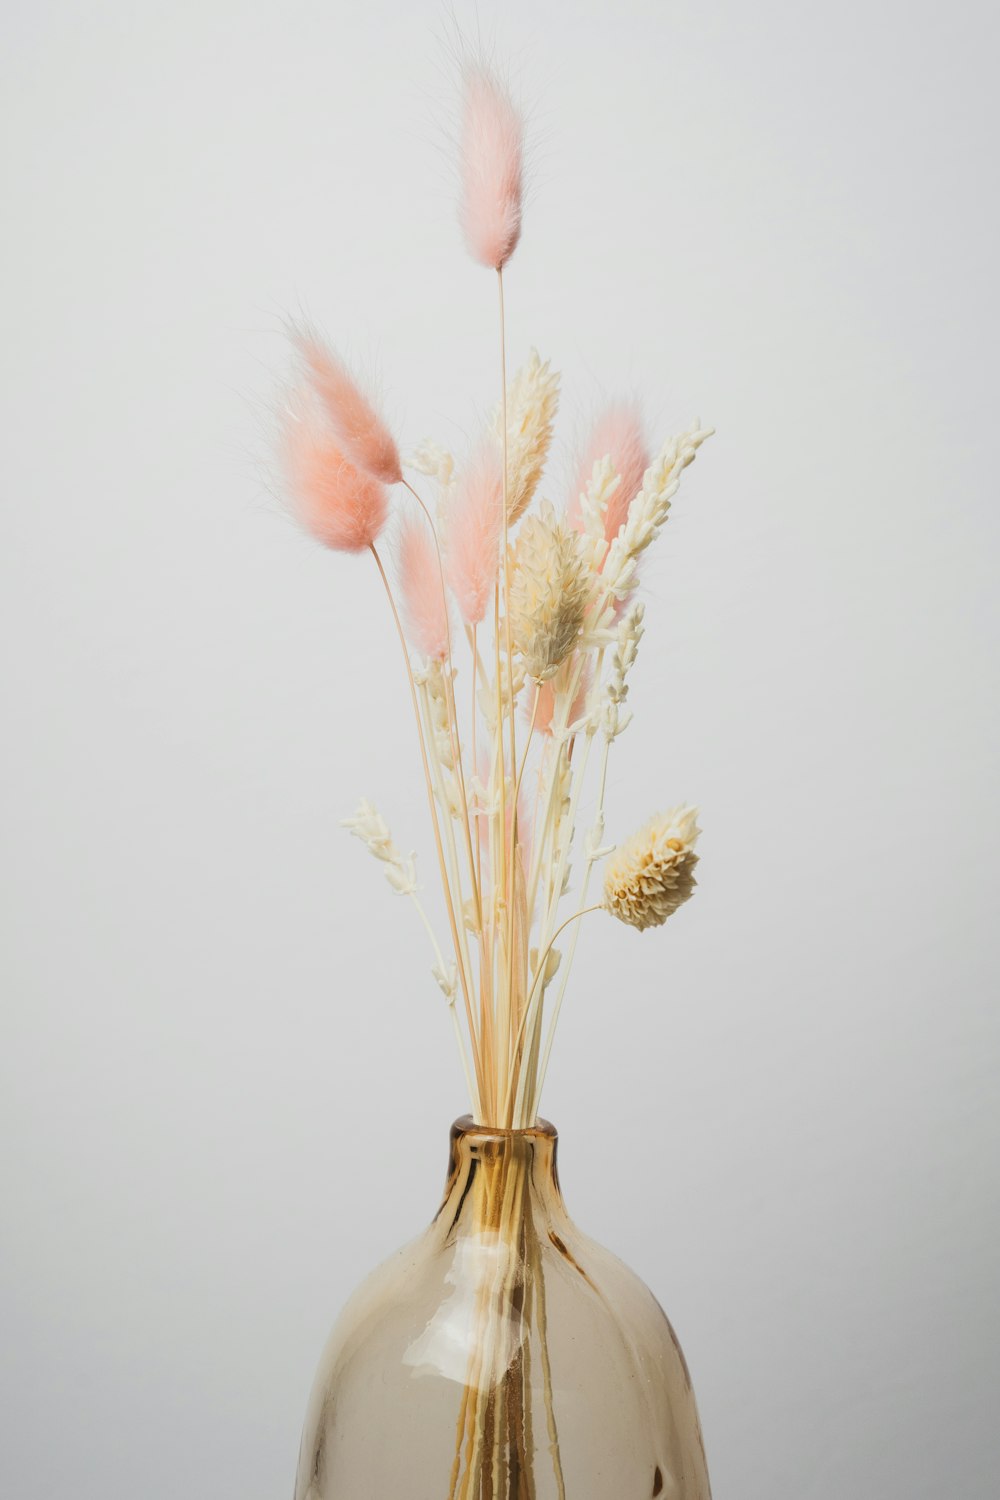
(502, 1355)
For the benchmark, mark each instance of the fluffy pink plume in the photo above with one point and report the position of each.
(617, 434)
(492, 168)
(473, 523)
(342, 507)
(360, 429)
(423, 594)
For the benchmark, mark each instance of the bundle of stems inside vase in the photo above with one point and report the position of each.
(495, 1442)
(519, 623)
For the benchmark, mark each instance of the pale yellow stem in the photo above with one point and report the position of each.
(437, 830)
(535, 991)
(456, 743)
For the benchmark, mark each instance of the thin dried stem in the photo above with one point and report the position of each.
(532, 994)
(449, 903)
(452, 718)
(510, 873)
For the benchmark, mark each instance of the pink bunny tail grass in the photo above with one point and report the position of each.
(361, 431)
(492, 152)
(342, 507)
(617, 433)
(473, 523)
(424, 603)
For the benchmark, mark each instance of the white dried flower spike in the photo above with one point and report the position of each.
(532, 402)
(649, 509)
(370, 827)
(438, 712)
(630, 630)
(653, 873)
(551, 590)
(595, 499)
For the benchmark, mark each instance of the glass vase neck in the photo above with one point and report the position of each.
(483, 1158)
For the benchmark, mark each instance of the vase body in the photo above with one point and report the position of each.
(503, 1355)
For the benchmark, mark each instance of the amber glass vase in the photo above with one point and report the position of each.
(502, 1356)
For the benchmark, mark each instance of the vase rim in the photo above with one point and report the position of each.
(466, 1126)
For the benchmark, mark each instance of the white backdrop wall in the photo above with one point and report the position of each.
(226, 1075)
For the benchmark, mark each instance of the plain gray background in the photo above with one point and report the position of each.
(226, 1076)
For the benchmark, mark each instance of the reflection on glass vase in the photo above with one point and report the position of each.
(502, 1356)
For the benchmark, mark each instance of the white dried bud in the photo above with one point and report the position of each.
(552, 963)
(431, 459)
(593, 846)
(370, 827)
(437, 703)
(447, 979)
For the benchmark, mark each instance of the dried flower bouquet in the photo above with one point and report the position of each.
(519, 626)
(533, 612)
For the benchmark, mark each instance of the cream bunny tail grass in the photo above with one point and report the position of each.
(550, 592)
(532, 403)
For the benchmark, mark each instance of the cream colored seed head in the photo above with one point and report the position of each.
(532, 402)
(652, 874)
(551, 590)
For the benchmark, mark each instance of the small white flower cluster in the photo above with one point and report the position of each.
(630, 630)
(613, 721)
(370, 827)
(431, 459)
(433, 679)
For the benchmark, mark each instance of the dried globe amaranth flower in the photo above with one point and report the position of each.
(551, 590)
(652, 874)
